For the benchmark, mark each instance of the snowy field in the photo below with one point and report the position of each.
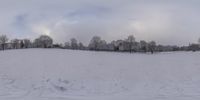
(56, 74)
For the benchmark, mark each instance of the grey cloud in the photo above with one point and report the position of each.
(167, 22)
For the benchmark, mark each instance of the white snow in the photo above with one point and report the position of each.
(56, 74)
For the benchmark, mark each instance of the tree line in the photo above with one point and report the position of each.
(96, 44)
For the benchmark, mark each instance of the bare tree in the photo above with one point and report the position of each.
(15, 43)
(102, 45)
(44, 41)
(37, 43)
(131, 41)
(3, 40)
(67, 45)
(74, 44)
(143, 46)
(21, 44)
(194, 47)
(81, 46)
(94, 43)
(27, 43)
(152, 46)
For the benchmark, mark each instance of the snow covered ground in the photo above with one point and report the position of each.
(56, 74)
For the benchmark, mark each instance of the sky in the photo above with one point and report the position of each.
(175, 22)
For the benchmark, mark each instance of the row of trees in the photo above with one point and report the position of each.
(128, 45)
(131, 45)
(43, 41)
(96, 43)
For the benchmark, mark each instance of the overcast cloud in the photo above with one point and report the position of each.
(166, 22)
